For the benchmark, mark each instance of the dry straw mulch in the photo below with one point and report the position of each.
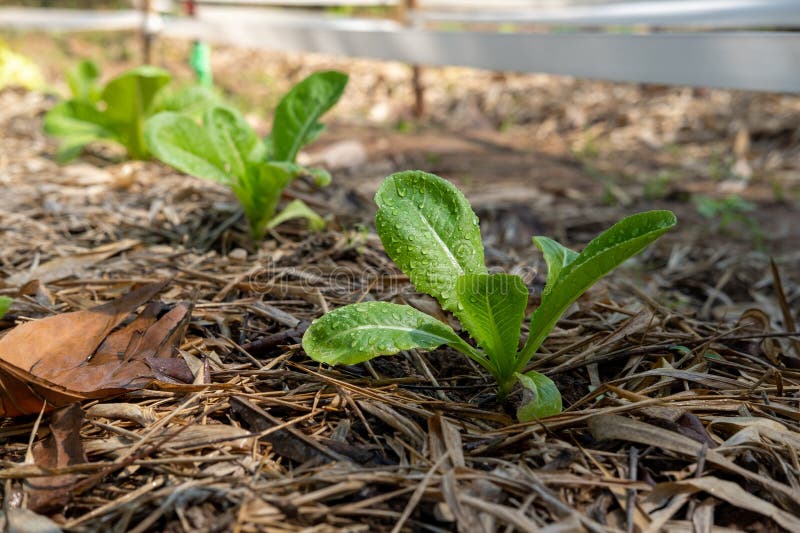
(678, 420)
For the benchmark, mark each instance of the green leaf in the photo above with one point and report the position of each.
(540, 397)
(259, 192)
(192, 100)
(269, 148)
(131, 94)
(557, 256)
(298, 209)
(72, 147)
(5, 304)
(610, 249)
(180, 142)
(233, 139)
(77, 124)
(363, 331)
(129, 98)
(76, 118)
(296, 117)
(83, 81)
(428, 228)
(314, 133)
(493, 311)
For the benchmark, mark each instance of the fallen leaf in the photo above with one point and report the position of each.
(39, 291)
(62, 447)
(616, 427)
(132, 412)
(80, 355)
(754, 431)
(64, 267)
(194, 436)
(731, 493)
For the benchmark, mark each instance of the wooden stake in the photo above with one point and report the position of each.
(147, 40)
(418, 110)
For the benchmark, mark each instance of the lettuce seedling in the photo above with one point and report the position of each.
(225, 149)
(117, 112)
(5, 304)
(430, 231)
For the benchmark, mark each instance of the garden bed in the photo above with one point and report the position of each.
(681, 399)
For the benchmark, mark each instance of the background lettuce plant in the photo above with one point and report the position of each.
(118, 111)
(225, 149)
(430, 231)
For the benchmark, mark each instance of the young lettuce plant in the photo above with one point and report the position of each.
(118, 111)
(5, 304)
(430, 231)
(225, 149)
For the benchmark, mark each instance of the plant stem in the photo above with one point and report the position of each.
(504, 387)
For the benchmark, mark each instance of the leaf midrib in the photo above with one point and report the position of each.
(304, 129)
(441, 242)
(406, 329)
(498, 338)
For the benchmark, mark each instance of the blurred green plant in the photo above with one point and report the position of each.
(225, 149)
(728, 212)
(657, 187)
(118, 111)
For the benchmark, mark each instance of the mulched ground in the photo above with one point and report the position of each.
(681, 384)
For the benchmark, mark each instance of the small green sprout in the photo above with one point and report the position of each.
(225, 149)
(430, 231)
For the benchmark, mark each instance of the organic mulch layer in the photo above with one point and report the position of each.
(680, 379)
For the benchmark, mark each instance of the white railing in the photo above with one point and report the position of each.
(714, 14)
(737, 44)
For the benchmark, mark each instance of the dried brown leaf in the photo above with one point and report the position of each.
(139, 414)
(37, 289)
(64, 267)
(195, 436)
(731, 493)
(76, 356)
(62, 447)
(615, 427)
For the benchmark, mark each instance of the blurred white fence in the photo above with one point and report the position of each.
(737, 44)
